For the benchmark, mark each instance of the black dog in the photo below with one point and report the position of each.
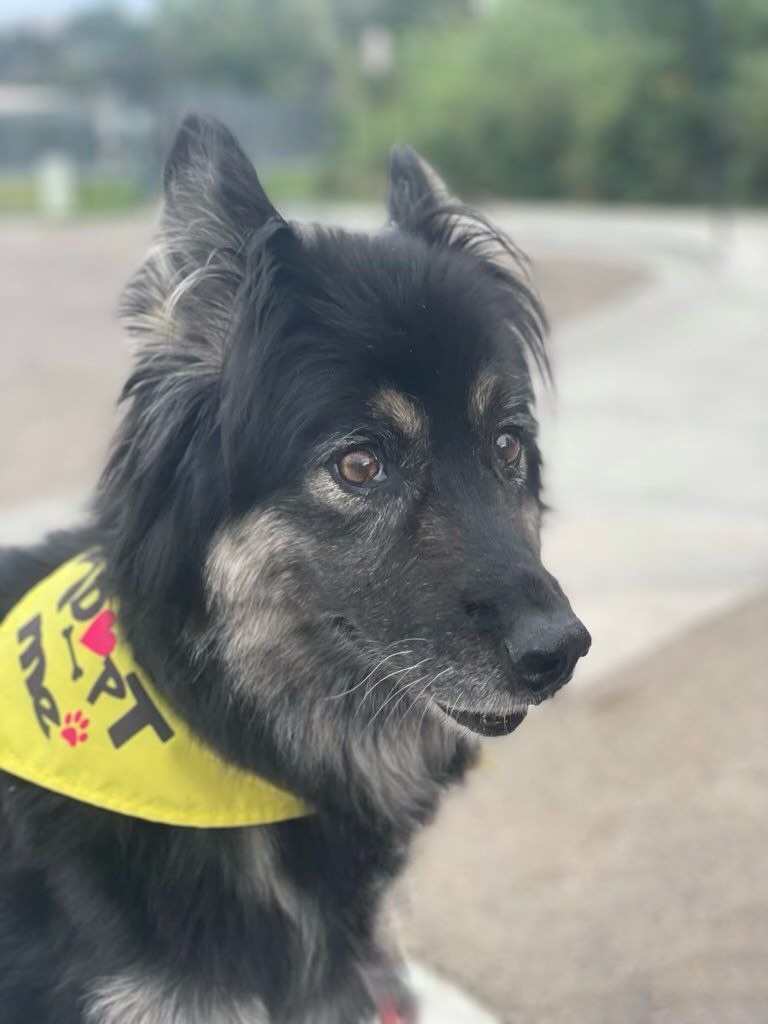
(321, 518)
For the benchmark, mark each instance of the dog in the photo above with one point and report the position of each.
(320, 518)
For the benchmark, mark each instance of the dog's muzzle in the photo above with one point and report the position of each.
(539, 657)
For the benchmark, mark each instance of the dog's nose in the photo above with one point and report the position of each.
(543, 650)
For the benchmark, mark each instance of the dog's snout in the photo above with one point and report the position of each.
(543, 650)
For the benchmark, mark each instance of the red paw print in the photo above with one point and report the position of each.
(74, 730)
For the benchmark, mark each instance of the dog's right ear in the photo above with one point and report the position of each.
(213, 197)
(219, 238)
(214, 210)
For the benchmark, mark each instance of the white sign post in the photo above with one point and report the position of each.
(56, 180)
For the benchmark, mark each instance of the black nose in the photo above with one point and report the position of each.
(543, 649)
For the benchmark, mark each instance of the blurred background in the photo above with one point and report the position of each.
(640, 100)
(607, 863)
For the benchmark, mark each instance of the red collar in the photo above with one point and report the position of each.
(389, 1013)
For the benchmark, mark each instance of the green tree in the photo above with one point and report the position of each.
(278, 45)
(619, 99)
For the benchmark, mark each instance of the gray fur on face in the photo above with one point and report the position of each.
(258, 591)
(271, 624)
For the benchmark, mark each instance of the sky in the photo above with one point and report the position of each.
(17, 12)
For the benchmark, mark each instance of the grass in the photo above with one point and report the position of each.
(94, 195)
(113, 195)
(108, 195)
(292, 183)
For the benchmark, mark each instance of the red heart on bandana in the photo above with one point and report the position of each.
(99, 637)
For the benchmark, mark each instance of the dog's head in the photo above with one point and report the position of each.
(330, 462)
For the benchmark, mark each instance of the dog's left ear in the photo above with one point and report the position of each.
(214, 210)
(421, 205)
(415, 188)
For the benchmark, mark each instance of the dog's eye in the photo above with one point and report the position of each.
(508, 449)
(361, 468)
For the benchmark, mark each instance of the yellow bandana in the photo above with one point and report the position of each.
(79, 716)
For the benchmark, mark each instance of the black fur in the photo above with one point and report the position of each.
(265, 595)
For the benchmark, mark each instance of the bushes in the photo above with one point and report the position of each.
(553, 99)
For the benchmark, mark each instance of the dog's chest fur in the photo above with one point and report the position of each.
(153, 925)
(138, 997)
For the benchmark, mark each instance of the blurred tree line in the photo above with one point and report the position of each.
(645, 100)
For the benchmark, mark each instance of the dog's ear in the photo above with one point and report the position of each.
(415, 187)
(214, 262)
(213, 196)
(421, 204)
(214, 210)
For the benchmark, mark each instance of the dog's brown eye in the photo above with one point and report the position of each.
(508, 449)
(360, 467)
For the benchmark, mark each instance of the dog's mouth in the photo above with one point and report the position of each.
(483, 723)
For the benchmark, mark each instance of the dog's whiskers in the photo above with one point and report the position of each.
(430, 701)
(387, 647)
(409, 685)
(397, 672)
(421, 693)
(344, 693)
(407, 640)
(404, 693)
